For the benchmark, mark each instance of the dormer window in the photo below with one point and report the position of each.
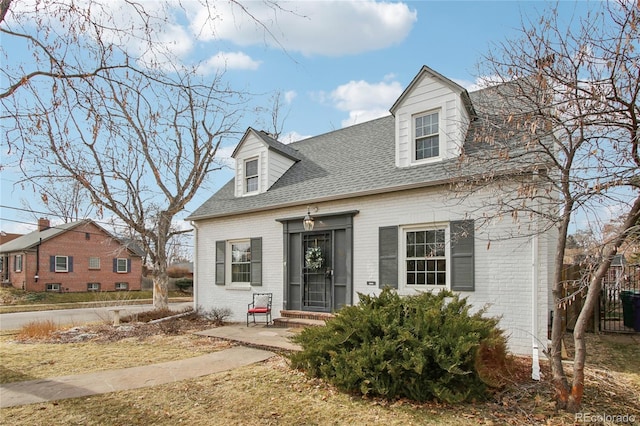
(427, 137)
(251, 176)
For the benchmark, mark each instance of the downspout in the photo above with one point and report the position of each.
(535, 354)
(194, 288)
(37, 274)
(535, 364)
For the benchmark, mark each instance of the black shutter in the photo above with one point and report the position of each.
(462, 255)
(220, 257)
(388, 256)
(115, 265)
(52, 264)
(256, 261)
(70, 263)
(128, 265)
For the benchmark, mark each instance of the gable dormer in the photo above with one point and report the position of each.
(431, 119)
(260, 162)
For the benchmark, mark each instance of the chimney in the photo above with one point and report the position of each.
(43, 224)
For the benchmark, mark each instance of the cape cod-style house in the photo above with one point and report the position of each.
(318, 221)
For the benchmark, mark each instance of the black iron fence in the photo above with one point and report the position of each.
(620, 300)
(619, 303)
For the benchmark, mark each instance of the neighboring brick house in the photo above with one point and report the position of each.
(320, 221)
(72, 257)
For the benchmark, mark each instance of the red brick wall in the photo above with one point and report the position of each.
(80, 244)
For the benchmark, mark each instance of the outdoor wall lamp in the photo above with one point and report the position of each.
(308, 222)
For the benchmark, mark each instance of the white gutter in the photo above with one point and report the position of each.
(194, 288)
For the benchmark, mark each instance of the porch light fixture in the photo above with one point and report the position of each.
(307, 222)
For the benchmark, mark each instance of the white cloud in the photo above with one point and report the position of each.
(481, 82)
(229, 61)
(223, 156)
(293, 136)
(167, 35)
(363, 95)
(365, 101)
(289, 96)
(361, 116)
(331, 28)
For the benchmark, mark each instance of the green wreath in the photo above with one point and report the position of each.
(313, 258)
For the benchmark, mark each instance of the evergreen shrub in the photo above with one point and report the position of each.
(417, 347)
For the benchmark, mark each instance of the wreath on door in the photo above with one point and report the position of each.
(313, 258)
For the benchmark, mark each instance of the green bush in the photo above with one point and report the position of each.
(415, 347)
(183, 284)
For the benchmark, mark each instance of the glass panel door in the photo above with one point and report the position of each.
(317, 271)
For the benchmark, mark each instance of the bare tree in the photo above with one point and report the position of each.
(105, 103)
(64, 199)
(568, 114)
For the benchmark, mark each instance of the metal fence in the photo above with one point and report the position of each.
(616, 311)
(617, 306)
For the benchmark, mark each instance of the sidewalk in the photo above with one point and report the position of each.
(42, 390)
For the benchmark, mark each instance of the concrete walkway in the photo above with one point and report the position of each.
(251, 338)
(271, 338)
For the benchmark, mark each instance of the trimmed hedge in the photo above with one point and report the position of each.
(417, 347)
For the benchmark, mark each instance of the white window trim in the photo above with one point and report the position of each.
(54, 287)
(66, 267)
(126, 265)
(125, 287)
(227, 266)
(403, 256)
(92, 284)
(441, 137)
(16, 262)
(245, 177)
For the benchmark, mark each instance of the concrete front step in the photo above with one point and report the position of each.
(297, 322)
(301, 319)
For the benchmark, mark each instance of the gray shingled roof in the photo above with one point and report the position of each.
(32, 239)
(353, 161)
(278, 146)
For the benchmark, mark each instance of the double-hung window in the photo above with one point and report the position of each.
(427, 137)
(122, 266)
(240, 262)
(426, 257)
(17, 266)
(251, 176)
(62, 264)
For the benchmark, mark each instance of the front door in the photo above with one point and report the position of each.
(318, 264)
(317, 271)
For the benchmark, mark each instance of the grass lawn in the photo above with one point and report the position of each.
(271, 393)
(14, 300)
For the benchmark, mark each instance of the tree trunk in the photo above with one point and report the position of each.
(559, 378)
(160, 277)
(160, 290)
(580, 356)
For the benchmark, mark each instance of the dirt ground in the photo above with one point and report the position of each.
(612, 380)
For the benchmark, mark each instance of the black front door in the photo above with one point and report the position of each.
(317, 270)
(318, 263)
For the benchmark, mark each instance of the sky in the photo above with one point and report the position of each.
(335, 63)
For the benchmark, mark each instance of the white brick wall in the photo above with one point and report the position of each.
(503, 263)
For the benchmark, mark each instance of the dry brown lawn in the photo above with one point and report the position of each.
(270, 393)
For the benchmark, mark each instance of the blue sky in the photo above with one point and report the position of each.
(337, 63)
